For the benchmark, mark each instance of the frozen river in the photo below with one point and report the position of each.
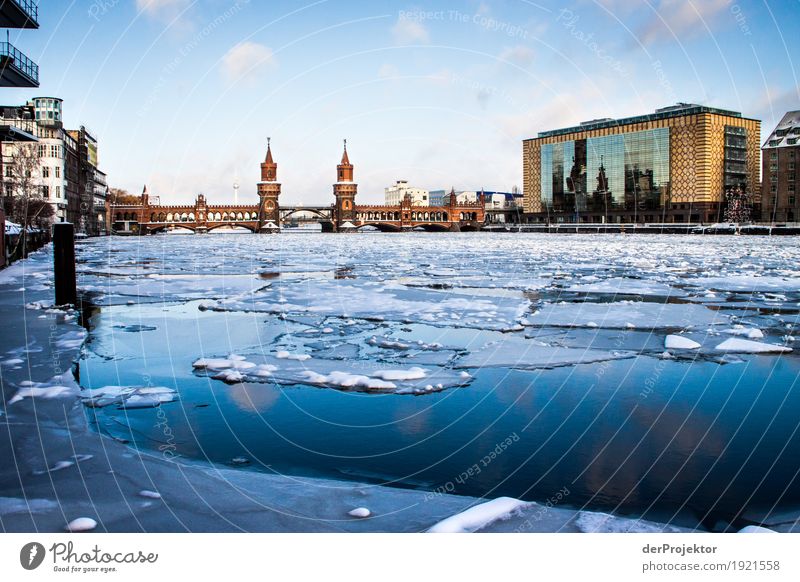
(644, 375)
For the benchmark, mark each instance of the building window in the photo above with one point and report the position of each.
(791, 188)
(773, 156)
(42, 151)
(58, 191)
(9, 172)
(791, 166)
(791, 200)
(58, 171)
(773, 188)
(54, 151)
(790, 177)
(45, 171)
(46, 191)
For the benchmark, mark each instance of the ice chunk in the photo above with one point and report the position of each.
(128, 397)
(750, 347)
(347, 380)
(359, 512)
(284, 355)
(479, 516)
(81, 524)
(149, 494)
(679, 342)
(751, 333)
(756, 529)
(413, 373)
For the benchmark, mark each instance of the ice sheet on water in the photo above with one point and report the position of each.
(747, 283)
(626, 315)
(527, 354)
(625, 286)
(373, 301)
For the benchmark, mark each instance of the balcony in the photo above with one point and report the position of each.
(19, 14)
(17, 124)
(16, 70)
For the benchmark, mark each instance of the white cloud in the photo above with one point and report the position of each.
(678, 19)
(520, 55)
(408, 31)
(246, 60)
(166, 9)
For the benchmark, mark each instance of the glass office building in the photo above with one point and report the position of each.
(671, 166)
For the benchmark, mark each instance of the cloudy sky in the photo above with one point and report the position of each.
(183, 93)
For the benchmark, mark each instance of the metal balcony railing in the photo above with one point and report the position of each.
(30, 7)
(21, 62)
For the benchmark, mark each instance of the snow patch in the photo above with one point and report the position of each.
(479, 516)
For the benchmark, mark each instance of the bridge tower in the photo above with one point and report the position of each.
(344, 191)
(269, 190)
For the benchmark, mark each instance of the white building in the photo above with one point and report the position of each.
(52, 154)
(393, 195)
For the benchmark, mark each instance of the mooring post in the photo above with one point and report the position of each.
(64, 263)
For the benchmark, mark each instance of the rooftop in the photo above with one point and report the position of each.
(677, 110)
(786, 133)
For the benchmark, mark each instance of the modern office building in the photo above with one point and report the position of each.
(781, 154)
(674, 165)
(394, 194)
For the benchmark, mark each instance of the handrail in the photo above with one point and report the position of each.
(21, 62)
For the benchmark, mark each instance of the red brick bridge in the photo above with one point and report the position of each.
(144, 215)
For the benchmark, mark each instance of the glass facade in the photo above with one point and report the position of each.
(735, 157)
(627, 171)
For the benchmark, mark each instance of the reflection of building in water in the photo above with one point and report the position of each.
(674, 165)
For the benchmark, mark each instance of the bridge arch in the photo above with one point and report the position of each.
(382, 226)
(231, 225)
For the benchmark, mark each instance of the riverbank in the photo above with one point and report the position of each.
(55, 469)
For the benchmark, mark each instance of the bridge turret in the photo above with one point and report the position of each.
(269, 191)
(344, 191)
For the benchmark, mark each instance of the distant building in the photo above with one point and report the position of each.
(781, 154)
(394, 195)
(674, 165)
(437, 197)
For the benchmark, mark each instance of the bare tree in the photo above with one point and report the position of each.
(24, 179)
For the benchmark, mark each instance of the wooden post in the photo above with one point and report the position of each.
(64, 263)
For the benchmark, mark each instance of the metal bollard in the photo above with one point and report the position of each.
(64, 263)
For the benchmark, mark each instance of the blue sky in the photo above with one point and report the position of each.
(183, 93)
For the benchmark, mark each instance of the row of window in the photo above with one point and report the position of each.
(51, 151)
(46, 171)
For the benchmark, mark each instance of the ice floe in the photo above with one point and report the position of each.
(750, 347)
(128, 397)
(679, 342)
